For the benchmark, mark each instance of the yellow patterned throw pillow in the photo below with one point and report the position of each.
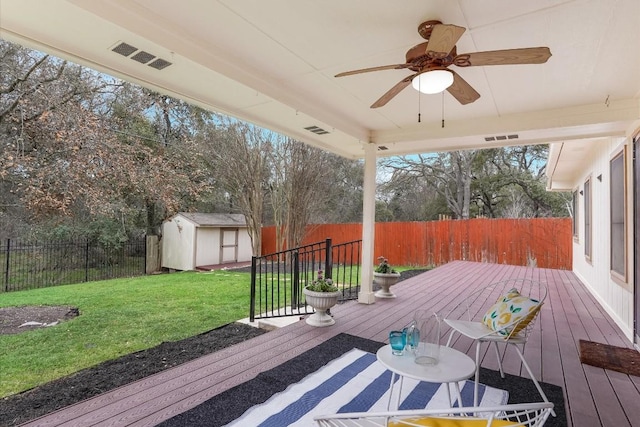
(509, 309)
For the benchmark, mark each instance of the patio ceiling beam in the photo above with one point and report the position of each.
(586, 121)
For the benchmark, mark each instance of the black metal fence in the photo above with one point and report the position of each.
(277, 279)
(30, 265)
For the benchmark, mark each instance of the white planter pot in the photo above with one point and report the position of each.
(385, 281)
(321, 302)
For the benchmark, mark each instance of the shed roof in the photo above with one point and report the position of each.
(203, 219)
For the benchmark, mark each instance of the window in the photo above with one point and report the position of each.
(618, 214)
(575, 207)
(587, 219)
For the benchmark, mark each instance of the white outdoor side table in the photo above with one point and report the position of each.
(452, 367)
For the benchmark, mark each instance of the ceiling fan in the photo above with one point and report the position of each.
(431, 60)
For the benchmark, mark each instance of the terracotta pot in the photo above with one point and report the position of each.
(321, 302)
(385, 281)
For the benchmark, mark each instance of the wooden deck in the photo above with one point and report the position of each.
(593, 396)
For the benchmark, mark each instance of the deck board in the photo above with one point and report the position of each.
(593, 396)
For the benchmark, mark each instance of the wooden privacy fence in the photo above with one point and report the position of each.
(541, 242)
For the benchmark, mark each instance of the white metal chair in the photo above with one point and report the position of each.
(466, 318)
(524, 415)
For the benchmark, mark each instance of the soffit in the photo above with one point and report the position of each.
(273, 63)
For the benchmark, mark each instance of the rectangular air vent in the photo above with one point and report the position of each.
(500, 137)
(382, 148)
(159, 64)
(125, 49)
(316, 130)
(143, 57)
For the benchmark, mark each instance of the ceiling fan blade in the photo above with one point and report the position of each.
(368, 70)
(529, 55)
(461, 90)
(444, 37)
(393, 91)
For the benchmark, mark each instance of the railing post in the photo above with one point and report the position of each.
(86, 262)
(327, 259)
(295, 298)
(252, 308)
(6, 271)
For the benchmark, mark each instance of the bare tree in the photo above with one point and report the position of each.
(238, 154)
(449, 174)
(310, 172)
(496, 182)
(78, 144)
(301, 182)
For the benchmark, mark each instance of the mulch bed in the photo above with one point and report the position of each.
(106, 376)
(19, 408)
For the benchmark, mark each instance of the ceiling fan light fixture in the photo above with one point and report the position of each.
(433, 81)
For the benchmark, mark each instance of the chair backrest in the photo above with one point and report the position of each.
(476, 305)
(522, 415)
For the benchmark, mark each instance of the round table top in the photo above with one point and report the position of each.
(453, 365)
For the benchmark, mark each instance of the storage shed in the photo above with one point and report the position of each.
(191, 240)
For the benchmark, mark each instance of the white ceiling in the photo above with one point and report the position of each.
(273, 63)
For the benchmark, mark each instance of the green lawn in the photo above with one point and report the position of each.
(118, 317)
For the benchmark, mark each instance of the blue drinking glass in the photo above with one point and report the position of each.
(397, 340)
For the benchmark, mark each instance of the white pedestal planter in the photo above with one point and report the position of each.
(321, 301)
(385, 281)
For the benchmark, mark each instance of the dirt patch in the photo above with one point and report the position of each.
(14, 320)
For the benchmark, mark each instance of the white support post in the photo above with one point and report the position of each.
(366, 295)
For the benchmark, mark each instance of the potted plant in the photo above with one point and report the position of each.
(321, 294)
(385, 276)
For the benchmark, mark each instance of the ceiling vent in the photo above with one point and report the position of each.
(159, 64)
(140, 56)
(382, 148)
(124, 49)
(500, 137)
(316, 130)
(143, 57)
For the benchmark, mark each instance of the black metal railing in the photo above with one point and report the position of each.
(277, 279)
(30, 265)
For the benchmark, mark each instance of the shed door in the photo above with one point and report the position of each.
(229, 245)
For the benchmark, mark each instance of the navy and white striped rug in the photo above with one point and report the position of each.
(355, 382)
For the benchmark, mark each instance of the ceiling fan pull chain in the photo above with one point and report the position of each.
(442, 110)
(419, 99)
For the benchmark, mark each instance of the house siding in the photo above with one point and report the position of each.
(615, 295)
